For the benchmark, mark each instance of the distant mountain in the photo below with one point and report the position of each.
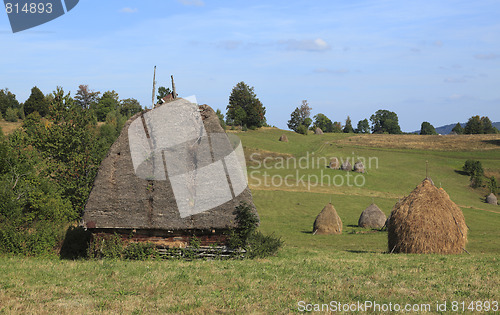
(446, 129)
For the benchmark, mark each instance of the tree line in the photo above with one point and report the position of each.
(382, 121)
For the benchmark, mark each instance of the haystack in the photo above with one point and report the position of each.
(334, 164)
(346, 166)
(492, 199)
(372, 217)
(359, 167)
(427, 221)
(318, 131)
(328, 221)
(284, 138)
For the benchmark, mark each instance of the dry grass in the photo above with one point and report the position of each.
(418, 142)
(427, 221)
(9, 127)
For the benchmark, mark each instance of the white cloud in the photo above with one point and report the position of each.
(196, 3)
(306, 44)
(128, 10)
(487, 56)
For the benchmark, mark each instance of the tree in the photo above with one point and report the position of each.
(322, 122)
(427, 129)
(384, 121)
(473, 125)
(242, 96)
(299, 118)
(86, 97)
(219, 114)
(295, 120)
(337, 127)
(363, 126)
(348, 126)
(488, 126)
(36, 103)
(475, 169)
(162, 92)
(11, 115)
(7, 100)
(305, 110)
(129, 107)
(107, 103)
(458, 129)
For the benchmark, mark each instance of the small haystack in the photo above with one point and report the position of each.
(284, 138)
(492, 199)
(346, 166)
(318, 131)
(334, 164)
(327, 221)
(427, 221)
(372, 217)
(359, 167)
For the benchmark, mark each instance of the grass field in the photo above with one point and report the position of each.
(345, 268)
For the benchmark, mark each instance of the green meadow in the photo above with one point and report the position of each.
(310, 270)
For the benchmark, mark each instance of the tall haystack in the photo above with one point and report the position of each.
(328, 221)
(359, 167)
(492, 199)
(372, 217)
(334, 164)
(318, 131)
(284, 138)
(427, 221)
(346, 166)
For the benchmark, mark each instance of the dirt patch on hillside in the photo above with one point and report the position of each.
(255, 157)
(418, 142)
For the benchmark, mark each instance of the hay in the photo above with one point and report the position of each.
(318, 131)
(346, 166)
(427, 221)
(328, 221)
(284, 138)
(372, 217)
(359, 167)
(334, 164)
(492, 199)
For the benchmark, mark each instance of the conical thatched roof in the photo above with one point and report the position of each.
(142, 185)
(328, 221)
(334, 163)
(372, 217)
(284, 138)
(359, 167)
(492, 199)
(346, 166)
(427, 221)
(318, 131)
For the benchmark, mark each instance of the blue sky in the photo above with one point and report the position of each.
(436, 61)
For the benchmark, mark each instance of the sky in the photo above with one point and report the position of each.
(435, 61)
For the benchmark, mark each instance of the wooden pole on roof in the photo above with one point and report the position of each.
(174, 94)
(154, 89)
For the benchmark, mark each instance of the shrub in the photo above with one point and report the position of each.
(260, 245)
(106, 246)
(492, 185)
(476, 172)
(140, 251)
(302, 130)
(11, 115)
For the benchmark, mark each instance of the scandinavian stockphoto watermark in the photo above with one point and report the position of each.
(26, 14)
(309, 171)
(205, 169)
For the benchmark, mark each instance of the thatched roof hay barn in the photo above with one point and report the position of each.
(147, 188)
(427, 221)
(359, 167)
(327, 221)
(284, 138)
(318, 131)
(334, 163)
(492, 199)
(346, 166)
(372, 217)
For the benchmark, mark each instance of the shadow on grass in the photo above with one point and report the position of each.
(307, 232)
(75, 244)
(494, 142)
(363, 251)
(461, 172)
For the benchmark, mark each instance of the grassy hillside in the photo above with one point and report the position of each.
(345, 268)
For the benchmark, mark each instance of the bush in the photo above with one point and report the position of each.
(260, 245)
(302, 129)
(475, 170)
(140, 251)
(106, 246)
(492, 185)
(11, 115)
